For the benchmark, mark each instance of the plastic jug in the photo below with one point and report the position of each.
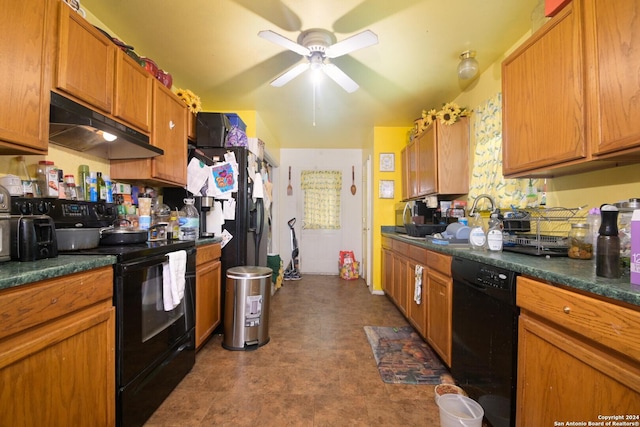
(189, 221)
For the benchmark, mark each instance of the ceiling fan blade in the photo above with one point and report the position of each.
(284, 42)
(338, 76)
(274, 11)
(291, 74)
(361, 40)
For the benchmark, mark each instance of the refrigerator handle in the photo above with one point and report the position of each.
(259, 227)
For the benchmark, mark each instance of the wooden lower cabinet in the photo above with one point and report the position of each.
(417, 306)
(578, 357)
(208, 308)
(439, 295)
(57, 352)
(432, 317)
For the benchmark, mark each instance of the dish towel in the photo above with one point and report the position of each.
(417, 285)
(173, 279)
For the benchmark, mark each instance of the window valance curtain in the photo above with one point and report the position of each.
(321, 199)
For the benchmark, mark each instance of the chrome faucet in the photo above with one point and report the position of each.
(475, 203)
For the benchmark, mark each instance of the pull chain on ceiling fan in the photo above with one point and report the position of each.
(318, 46)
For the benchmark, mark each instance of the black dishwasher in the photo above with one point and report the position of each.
(485, 337)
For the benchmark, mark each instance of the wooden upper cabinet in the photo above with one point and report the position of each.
(26, 76)
(442, 153)
(170, 134)
(85, 61)
(543, 97)
(428, 166)
(412, 151)
(612, 40)
(404, 164)
(192, 120)
(133, 92)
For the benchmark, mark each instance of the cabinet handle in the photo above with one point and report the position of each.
(171, 124)
(566, 309)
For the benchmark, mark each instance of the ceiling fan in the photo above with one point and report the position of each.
(318, 46)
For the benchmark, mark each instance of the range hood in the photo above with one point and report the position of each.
(77, 127)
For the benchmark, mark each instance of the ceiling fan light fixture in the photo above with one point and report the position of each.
(468, 66)
(316, 60)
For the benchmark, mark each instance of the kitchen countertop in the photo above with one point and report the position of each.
(571, 273)
(14, 273)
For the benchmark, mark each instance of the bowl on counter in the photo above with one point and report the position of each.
(442, 389)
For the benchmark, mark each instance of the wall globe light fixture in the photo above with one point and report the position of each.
(468, 66)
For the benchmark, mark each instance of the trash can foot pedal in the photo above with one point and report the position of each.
(251, 346)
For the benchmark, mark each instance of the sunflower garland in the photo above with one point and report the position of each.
(448, 115)
(191, 99)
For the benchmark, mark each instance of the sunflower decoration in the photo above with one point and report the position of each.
(429, 116)
(191, 99)
(449, 114)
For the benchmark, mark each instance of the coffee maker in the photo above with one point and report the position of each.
(204, 204)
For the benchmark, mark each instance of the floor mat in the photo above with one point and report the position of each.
(403, 357)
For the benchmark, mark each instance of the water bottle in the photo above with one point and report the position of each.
(93, 187)
(608, 252)
(189, 221)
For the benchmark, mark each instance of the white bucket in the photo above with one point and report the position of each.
(457, 410)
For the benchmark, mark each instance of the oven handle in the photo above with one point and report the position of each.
(147, 262)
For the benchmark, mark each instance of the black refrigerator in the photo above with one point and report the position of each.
(248, 245)
(249, 228)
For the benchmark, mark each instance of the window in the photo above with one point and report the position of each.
(321, 199)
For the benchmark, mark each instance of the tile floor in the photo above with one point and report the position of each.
(317, 370)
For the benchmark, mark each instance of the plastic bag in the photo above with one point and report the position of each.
(348, 266)
(236, 138)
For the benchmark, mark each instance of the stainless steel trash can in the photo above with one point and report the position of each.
(246, 314)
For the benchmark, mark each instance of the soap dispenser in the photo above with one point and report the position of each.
(477, 235)
(608, 245)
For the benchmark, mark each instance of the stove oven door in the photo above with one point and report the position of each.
(147, 331)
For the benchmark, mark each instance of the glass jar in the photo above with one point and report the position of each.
(580, 242)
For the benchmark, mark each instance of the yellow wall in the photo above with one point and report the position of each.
(385, 140)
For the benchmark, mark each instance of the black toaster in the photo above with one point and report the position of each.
(33, 237)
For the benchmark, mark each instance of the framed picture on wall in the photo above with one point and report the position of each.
(386, 189)
(387, 162)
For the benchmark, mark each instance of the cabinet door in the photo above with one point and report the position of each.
(192, 121)
(412, 169)
(133, 93)
(611, 31)
(85, 61)
(208, 314)
(553, 365)
(26, 78)
(543, 97)
(61, 374)
(452, 157)
(439, 289)
(170, 134)
(404, 159)
(400, 283)
(427, 161)
(387, 271)
(417, 312)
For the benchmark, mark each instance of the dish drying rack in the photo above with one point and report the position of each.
(540, 231)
